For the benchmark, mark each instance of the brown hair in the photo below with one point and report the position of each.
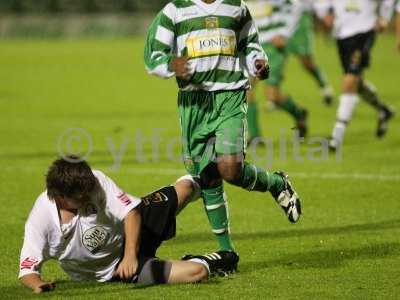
(70, 177)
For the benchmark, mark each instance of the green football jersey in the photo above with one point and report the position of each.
(220, 39)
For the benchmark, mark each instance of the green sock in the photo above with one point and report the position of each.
(217, 213)
(256, 179)
(291, 107)
(252, 120)
(319, 76)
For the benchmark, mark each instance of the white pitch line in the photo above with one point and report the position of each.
(178, 172)
(358, 176)
(339, 176)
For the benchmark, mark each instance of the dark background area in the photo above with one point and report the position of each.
(78, 6)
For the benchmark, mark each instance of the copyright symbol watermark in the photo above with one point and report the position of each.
(77, 142)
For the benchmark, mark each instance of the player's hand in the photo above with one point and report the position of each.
(381, 25)
(329, 20)
(127, 268)
(180, 66)
(279, 41)
(262, 69)
(45, 287)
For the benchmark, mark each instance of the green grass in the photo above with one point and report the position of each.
(347, 244)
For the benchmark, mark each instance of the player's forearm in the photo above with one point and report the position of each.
(159, 66)
(329, 20)
(132, 224)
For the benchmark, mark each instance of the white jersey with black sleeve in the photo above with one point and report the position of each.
(90, 246)
(353, 17)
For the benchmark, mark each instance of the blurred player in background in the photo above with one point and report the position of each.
(98, 232)
(208, 46)
(355, 23)
(398, 24)
(301, 44)
(276, 21)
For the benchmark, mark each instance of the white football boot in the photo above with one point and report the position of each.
(288, 200)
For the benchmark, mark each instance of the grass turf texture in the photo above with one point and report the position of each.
(346, 245)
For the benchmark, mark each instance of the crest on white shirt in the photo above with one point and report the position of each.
(94, 238)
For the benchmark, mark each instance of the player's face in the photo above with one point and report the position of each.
(68, 204)
(71, 203)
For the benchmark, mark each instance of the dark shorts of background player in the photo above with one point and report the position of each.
(158, 212)
(355, 52)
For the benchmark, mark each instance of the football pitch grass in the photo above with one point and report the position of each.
(347, 244)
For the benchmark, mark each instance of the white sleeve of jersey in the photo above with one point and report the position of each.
(293, 19)
(118, 203)
(386, 9)
(322, 8)
(35, 239)
(253, 50)
(398, 6)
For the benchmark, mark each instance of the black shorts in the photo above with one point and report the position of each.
(158, 211)
(355, 52)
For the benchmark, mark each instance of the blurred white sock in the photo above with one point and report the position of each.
(347, 104)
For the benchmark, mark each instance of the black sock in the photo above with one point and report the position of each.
(369, 94)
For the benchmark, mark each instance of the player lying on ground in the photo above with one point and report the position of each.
(276, 22)
(207, 45)
(355, 24)
(98, 232)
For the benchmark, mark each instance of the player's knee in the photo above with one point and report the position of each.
(187, 189)
(232, 175)
(350, 83)
(210, 177)
(307, 63)
(273, 94)
(232, 178)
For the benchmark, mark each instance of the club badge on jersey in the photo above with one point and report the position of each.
(353, 6)
(260, 9)
(94, 238)
(212, 23)
(154, 197)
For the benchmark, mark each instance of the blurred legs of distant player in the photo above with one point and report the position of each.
(355, 57)
(301, 45)
(277, 59)
(278, 53)
(398, 28)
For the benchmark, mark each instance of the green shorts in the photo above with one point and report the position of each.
(302, 41)
(212, 123)
(276, 60)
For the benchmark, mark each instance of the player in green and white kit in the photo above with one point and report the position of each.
(301, 44)
(276, 21)
(207, 45)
